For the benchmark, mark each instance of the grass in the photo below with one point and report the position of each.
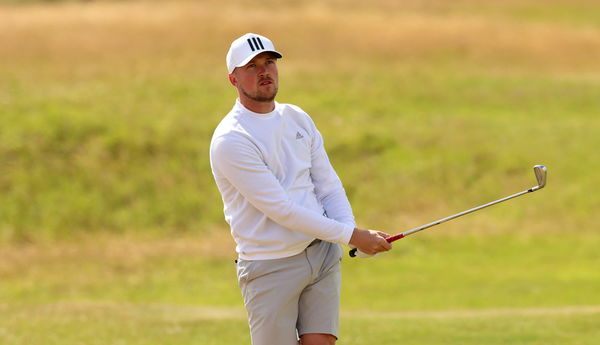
(111, 227)
(435, 288)
(134, 324)
(470, 271)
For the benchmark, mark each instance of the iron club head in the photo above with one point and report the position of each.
(540, 175)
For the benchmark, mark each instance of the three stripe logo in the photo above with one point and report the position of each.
(255, 43)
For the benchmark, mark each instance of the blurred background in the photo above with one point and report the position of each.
(111, 227)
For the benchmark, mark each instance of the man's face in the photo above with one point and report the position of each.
(258, 80)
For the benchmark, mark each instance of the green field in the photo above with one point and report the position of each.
(111, 228)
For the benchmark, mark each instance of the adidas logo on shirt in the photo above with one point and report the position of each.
(299, 135)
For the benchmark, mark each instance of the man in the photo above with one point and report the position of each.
(286, 206)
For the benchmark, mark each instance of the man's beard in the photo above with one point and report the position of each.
(261, 96)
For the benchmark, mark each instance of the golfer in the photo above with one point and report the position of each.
(285, 204)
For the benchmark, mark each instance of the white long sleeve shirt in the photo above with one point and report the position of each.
(279, 189)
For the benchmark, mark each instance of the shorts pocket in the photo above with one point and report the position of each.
(244, 270)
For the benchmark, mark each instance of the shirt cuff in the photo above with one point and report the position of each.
(348, 231)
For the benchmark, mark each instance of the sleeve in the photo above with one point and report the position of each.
(241, 164)
(328, 186)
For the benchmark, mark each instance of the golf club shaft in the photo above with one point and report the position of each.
(443, 220)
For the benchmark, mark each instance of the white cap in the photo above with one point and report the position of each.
(245, 48)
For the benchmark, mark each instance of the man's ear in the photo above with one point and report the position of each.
(232, 79)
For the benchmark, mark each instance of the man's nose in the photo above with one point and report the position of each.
(262, 70)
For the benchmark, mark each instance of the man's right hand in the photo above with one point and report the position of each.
(370, 242)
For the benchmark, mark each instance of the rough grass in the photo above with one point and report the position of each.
(111, 228)
(107, 109)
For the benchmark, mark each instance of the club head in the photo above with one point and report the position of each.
(540, 175)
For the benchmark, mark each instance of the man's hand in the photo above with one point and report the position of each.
(370, 242)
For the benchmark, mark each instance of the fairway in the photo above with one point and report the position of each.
(436, 289)
(111, 226)
(159, 324)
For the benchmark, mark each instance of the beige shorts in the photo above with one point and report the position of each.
(286, 298)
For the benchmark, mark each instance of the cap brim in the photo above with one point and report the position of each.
(246, 60)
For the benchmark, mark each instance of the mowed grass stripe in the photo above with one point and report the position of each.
(175, 313)
(475, 313)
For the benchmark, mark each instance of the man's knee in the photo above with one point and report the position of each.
(317, 339)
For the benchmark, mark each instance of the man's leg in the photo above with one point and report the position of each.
(317, 339)
(271, 289)
(319, 304)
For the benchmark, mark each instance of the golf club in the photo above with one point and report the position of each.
(540, 175)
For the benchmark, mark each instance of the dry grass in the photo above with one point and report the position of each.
(177, 313)
(197, 34)
(113, 251)
(168, 38)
